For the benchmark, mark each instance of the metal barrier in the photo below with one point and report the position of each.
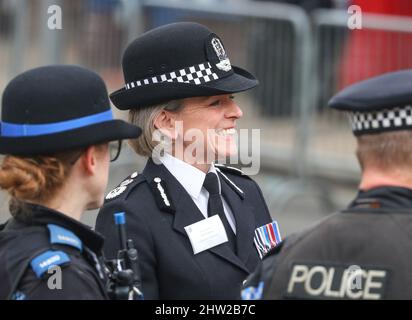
(13, 18)
(272, 40)
(342, 57)
(93, 34)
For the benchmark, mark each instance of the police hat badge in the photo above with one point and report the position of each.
(224, 62)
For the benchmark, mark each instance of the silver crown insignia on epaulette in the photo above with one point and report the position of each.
(122, 187)
(126, 182)
(116, 192)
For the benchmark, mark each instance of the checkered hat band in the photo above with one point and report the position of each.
(387, 119)
(198, 74)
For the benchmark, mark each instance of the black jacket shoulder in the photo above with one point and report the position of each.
(29, 253)
(125, 188)
(240, 182)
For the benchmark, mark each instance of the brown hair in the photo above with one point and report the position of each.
(385, 151)
(35, 178)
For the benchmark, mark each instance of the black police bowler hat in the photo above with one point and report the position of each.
(176, 61)
(56, 108)
(379, 104)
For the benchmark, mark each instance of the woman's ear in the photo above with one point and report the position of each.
(165, 122)
(89, 160)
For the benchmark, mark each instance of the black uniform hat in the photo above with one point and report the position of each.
(175, 61)
(378, 104)
(55, 108)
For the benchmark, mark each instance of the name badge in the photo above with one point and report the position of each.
(206, 234)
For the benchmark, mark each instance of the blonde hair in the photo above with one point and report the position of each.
(144, 118)
(386, 151)
(34, 178)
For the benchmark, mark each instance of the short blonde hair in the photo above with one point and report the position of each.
(144, 118)
(386, 150)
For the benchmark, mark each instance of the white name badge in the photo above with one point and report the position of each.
(206, 234)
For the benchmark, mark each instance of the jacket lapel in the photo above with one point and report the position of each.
(245, 221)
(186, 212)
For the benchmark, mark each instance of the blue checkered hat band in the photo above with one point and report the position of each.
(197, 74)
(384, 120)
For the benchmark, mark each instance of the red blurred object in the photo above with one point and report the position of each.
(372, 52)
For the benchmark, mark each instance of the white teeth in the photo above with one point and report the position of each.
(225, 132)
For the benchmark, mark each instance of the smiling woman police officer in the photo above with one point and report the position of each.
(179, 80)
(55, 132)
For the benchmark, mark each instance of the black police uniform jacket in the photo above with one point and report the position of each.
(362, 252)
(156, 220)
(38, 239)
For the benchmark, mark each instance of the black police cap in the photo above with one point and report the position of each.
(56, 108)
(175, 61)
(378, 104)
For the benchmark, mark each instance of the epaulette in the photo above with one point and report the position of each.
(125, 186)
(42, 262)
(62, 236)
(48, 259)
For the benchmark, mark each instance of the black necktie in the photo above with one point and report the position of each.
(215, 206)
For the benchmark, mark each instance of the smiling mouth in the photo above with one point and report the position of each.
(226, 132)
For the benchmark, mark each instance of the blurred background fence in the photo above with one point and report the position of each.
(302, 54)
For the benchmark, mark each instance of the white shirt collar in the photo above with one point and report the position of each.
(189, 177)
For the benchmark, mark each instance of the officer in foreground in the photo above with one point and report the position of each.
(55, 132)
(363, 251)
(193, 222)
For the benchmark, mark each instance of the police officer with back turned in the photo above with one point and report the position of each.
(363, 251)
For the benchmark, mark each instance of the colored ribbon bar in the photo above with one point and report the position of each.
(267, 237)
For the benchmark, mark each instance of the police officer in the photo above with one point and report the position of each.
(55, 132)
(192, 221)
(361, 252)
